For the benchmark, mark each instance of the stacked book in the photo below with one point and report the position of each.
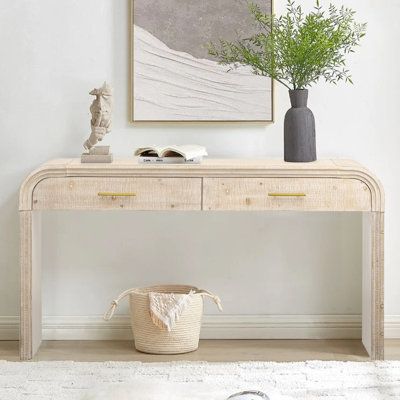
(189, 153)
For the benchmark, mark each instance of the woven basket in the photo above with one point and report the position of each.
(149, 338)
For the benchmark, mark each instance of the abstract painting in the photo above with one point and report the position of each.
(173, 76)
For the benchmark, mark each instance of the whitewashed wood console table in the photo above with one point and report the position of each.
(243, 185)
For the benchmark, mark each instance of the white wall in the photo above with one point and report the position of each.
(54, 52)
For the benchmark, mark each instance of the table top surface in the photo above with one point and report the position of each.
(210, 167)
(208, 163)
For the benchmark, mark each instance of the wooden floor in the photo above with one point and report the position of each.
(209, 350)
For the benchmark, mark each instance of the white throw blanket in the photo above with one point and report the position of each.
(166, 308)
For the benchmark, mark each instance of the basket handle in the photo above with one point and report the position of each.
(110, 312)
(213, 297)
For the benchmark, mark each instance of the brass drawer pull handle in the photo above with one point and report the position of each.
(287, 194)
(116, 194)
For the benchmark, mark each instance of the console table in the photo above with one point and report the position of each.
(242, 185)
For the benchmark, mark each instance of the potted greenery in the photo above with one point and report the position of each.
(297, 49)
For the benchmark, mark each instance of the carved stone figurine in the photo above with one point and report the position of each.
(101, 110)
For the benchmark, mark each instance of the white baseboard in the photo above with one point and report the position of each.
(9, 328)
(214, 327)
(392, 326)
(281, 327)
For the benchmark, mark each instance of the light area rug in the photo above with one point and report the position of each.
(198, 380)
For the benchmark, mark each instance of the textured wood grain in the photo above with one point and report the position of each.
(309, 194)
(26, 285)
(82, 193)
(373, 285)
(31, 305)
(367, 264)
(377, 289)
(343, 169)
(328, 185)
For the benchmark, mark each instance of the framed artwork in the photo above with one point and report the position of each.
(173, 76)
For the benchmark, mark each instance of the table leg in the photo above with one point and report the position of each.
(373, 285)
(31, 298)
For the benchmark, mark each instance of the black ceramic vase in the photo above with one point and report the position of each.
(299, 129)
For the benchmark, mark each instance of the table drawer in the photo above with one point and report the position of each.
(86, 193)
(297, 194)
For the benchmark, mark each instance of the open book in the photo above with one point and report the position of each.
(174, 154)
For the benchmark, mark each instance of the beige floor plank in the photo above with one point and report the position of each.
(210, 350)
(392, 349)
